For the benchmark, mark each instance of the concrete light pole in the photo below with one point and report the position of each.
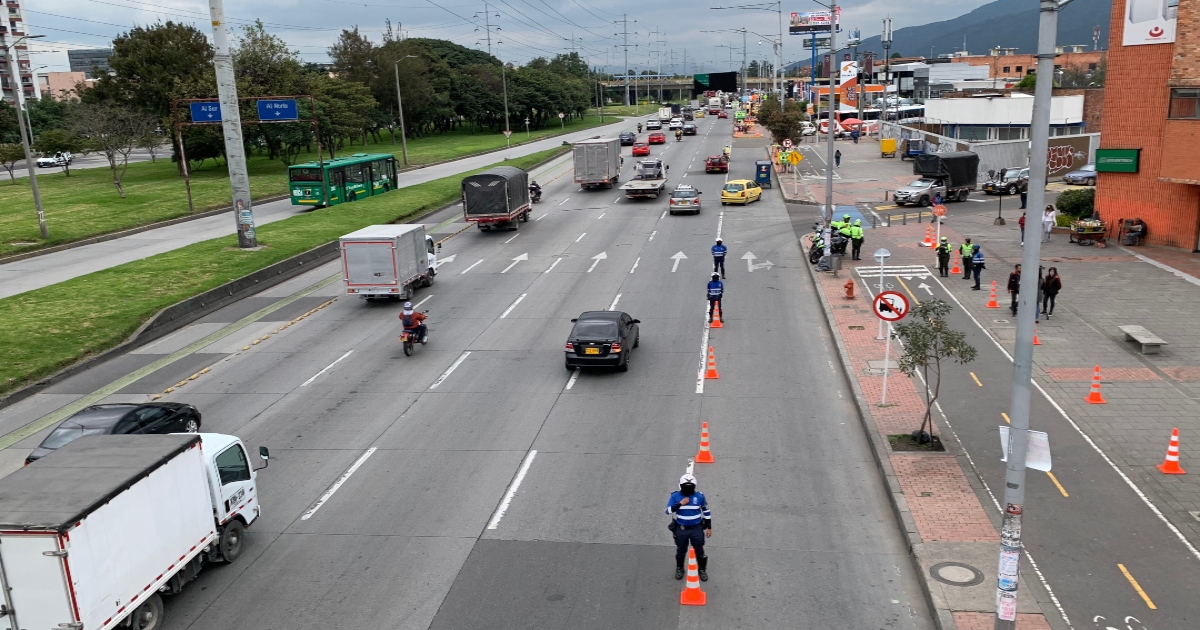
(19, 96)
(400, 104)
(231, 125)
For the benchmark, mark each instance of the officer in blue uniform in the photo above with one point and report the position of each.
(691, 523)
(718, 252)
(716, 290)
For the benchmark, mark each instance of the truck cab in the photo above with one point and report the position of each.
(231, 483)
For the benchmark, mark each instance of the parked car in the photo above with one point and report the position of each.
(627, 137)
(689, 129)
(1085, 176)
(722, 114)
(684, 198)
(658, 138)
(653, 123)
(119, 419)
(602, 338)
(640, 148)
(741, 191)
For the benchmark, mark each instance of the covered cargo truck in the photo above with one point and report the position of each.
(957, 171)
(391, 261)
(597, 162)
(496, 198)
(92, 535)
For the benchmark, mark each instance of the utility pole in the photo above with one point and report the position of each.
(1018, 433)
(745, 68)
(624, 22)
(886, 40)
(19, 97)
(830, 116)
(487, 21)
(231, 125)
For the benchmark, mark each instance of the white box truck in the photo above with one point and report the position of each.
(92, 535)
(388, 261)
(597, 162)
(665, 114)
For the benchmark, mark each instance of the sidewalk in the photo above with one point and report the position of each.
(41, 271)
(863, 176)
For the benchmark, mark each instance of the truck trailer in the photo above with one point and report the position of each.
(650, 179)
(93, 535)
(388, 261)
(597, 162)
(496, 198)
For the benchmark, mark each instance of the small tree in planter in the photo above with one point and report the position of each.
(928, 342)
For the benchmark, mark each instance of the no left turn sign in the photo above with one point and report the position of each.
(890, 306)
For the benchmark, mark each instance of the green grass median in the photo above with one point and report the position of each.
(45, 330)
(86, 203)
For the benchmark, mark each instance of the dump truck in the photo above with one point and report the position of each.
(598, 162)
(94, 535)
(496, 198)
(952, 175)
(649, 180)
(388, 261)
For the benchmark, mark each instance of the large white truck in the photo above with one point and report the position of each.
(665, 114)
(92, 535)
(650, 178)
(388, 261)
(597, 162)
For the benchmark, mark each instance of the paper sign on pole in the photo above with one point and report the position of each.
(1037, 454)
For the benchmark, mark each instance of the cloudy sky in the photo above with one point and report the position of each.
(522, 29)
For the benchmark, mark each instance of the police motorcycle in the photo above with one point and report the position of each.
(837, 244)
(535, 192)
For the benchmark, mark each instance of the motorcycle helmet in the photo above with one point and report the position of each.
(408, 306)
(718, 241)
(716, 276)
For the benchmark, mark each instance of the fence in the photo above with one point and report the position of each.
(1065, 153)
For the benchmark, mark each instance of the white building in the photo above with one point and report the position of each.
(1000, 116)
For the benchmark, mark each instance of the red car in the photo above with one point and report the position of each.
(722, 114)
(641, 148)
(658, 138)
(716, 164)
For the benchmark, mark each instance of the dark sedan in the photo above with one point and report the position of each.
(602, 338)
(627, 138)
(689, 129)
(119, 419)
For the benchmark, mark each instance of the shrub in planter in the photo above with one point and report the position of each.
(1077, 203)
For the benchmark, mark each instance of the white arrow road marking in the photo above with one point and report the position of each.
(445, 260)
(749, 257)
(471, 267)
(516, 260)
(453, 367)
(926, 287)
(677, 257)
(512, 306)
(596, 260)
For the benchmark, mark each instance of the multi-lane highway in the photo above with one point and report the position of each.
(478, 484)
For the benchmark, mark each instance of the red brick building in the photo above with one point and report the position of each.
(1153, 105)
(1013, 66)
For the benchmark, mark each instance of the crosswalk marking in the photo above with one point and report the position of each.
(908, 272)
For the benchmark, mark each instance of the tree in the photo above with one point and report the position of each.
(896, 55)
(1027, 82)
(59, 141)
(114, 131)
(1078, 203)
(10, 154)
(782, 124)
(9, 132)
(151, 142)
(928, 341)
(45, 114)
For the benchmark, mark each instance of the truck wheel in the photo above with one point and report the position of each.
(924, 202)
(231, 540)
(429, 279)
(963, 194)
(408, 293)
(525, 216)
(148, 616)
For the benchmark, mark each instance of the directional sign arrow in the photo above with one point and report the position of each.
(677, 257)
(442, 261)
(516, 260)
(926, 287)
(596, 260)
(749, 257)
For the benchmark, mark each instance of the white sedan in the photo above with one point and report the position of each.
(676, 123)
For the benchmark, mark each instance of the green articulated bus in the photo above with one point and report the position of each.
(344, 179)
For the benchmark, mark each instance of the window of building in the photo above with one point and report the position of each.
(972, 133)
(1010, 133)
(1091, 67)
(1006, 69)
(1185, 103)
(1018, 69)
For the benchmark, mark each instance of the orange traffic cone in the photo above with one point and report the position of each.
(692, 595)
(1036, 341)
(928, 242)
(712, 365)
(716, 322)
(992, 303)
(1094, 397)
(955, 270)
(704, 456)
(1170, 465)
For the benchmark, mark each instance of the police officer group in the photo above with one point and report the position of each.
(851, 230)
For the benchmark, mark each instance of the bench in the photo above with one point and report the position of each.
(1151, 343)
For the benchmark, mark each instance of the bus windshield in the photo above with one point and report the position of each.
(305, 174)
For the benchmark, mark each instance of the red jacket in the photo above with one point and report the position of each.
(417, 318)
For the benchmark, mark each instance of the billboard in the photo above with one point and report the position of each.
(1149, 22)
(715, 81)
(812, 22)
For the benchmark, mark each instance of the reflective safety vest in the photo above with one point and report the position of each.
(964, 249)
(856, 232)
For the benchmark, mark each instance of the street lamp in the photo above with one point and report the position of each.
(766, 6)
(400, 107)
(19, 96)
(504, 82)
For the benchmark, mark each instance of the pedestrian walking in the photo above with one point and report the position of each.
(1021, 222)
(937, 198)
(718, 254)
(944, 251)
(691, 523)
(1051, 285)
(1014, 287)
(856, 239)
(965, 251)
(1049, 220)
(1024, 195)
(716, 291)
(837, 158)
(977, 264)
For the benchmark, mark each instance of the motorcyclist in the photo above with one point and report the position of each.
(679, 134)
(535, 190)
(639, 127)
(727, 151)
(414, 322)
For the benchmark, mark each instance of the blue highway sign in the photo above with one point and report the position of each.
(206, 112)
(277, 110)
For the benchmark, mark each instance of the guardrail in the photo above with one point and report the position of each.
(904, 217)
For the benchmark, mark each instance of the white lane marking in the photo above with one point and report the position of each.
(616, 200)
(512, 490)
(652, 235)
(581, 237)
(685, 174)
(720, 223)
(453, 367)
(662, 216)
(511, 238)
(613, 306)
(542, 217)
(338, 484)
(574, 377)
(516, 260)
(556, 261)
(512, 306)
(703, 358)
(327, 368)
(691, 465)
(418, 304)
(601, 215)
(635, 264)
(471, 267)
(563, 201)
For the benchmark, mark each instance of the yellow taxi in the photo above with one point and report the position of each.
(699, 113)
(741, 191)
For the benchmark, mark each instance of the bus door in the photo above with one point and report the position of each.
(391, 167)
(337, 185)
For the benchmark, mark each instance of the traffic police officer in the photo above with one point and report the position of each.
(944, 250)
(691, 522)
(856, 239)
(966, 252)
(718, 253)
(716, 290)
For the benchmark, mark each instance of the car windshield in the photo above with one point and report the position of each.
(595, 329)
(1012, 173)
(68, 433)
(1089, 167)
(734, 187)
(684, 194)
(922, 183)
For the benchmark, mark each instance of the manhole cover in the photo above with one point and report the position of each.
(878, 365)
(1001, 321)
(857, 328)
(956, 574)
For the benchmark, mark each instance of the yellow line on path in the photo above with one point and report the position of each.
(1137, 587)
(1060, 486)
(909, 291)
(1003, 415)
(977, 381)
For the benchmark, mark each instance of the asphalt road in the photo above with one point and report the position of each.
(494, 489)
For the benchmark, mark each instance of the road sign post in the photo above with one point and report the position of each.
(889, 306)
(561, 117)
(882, 255)
(939, 211)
